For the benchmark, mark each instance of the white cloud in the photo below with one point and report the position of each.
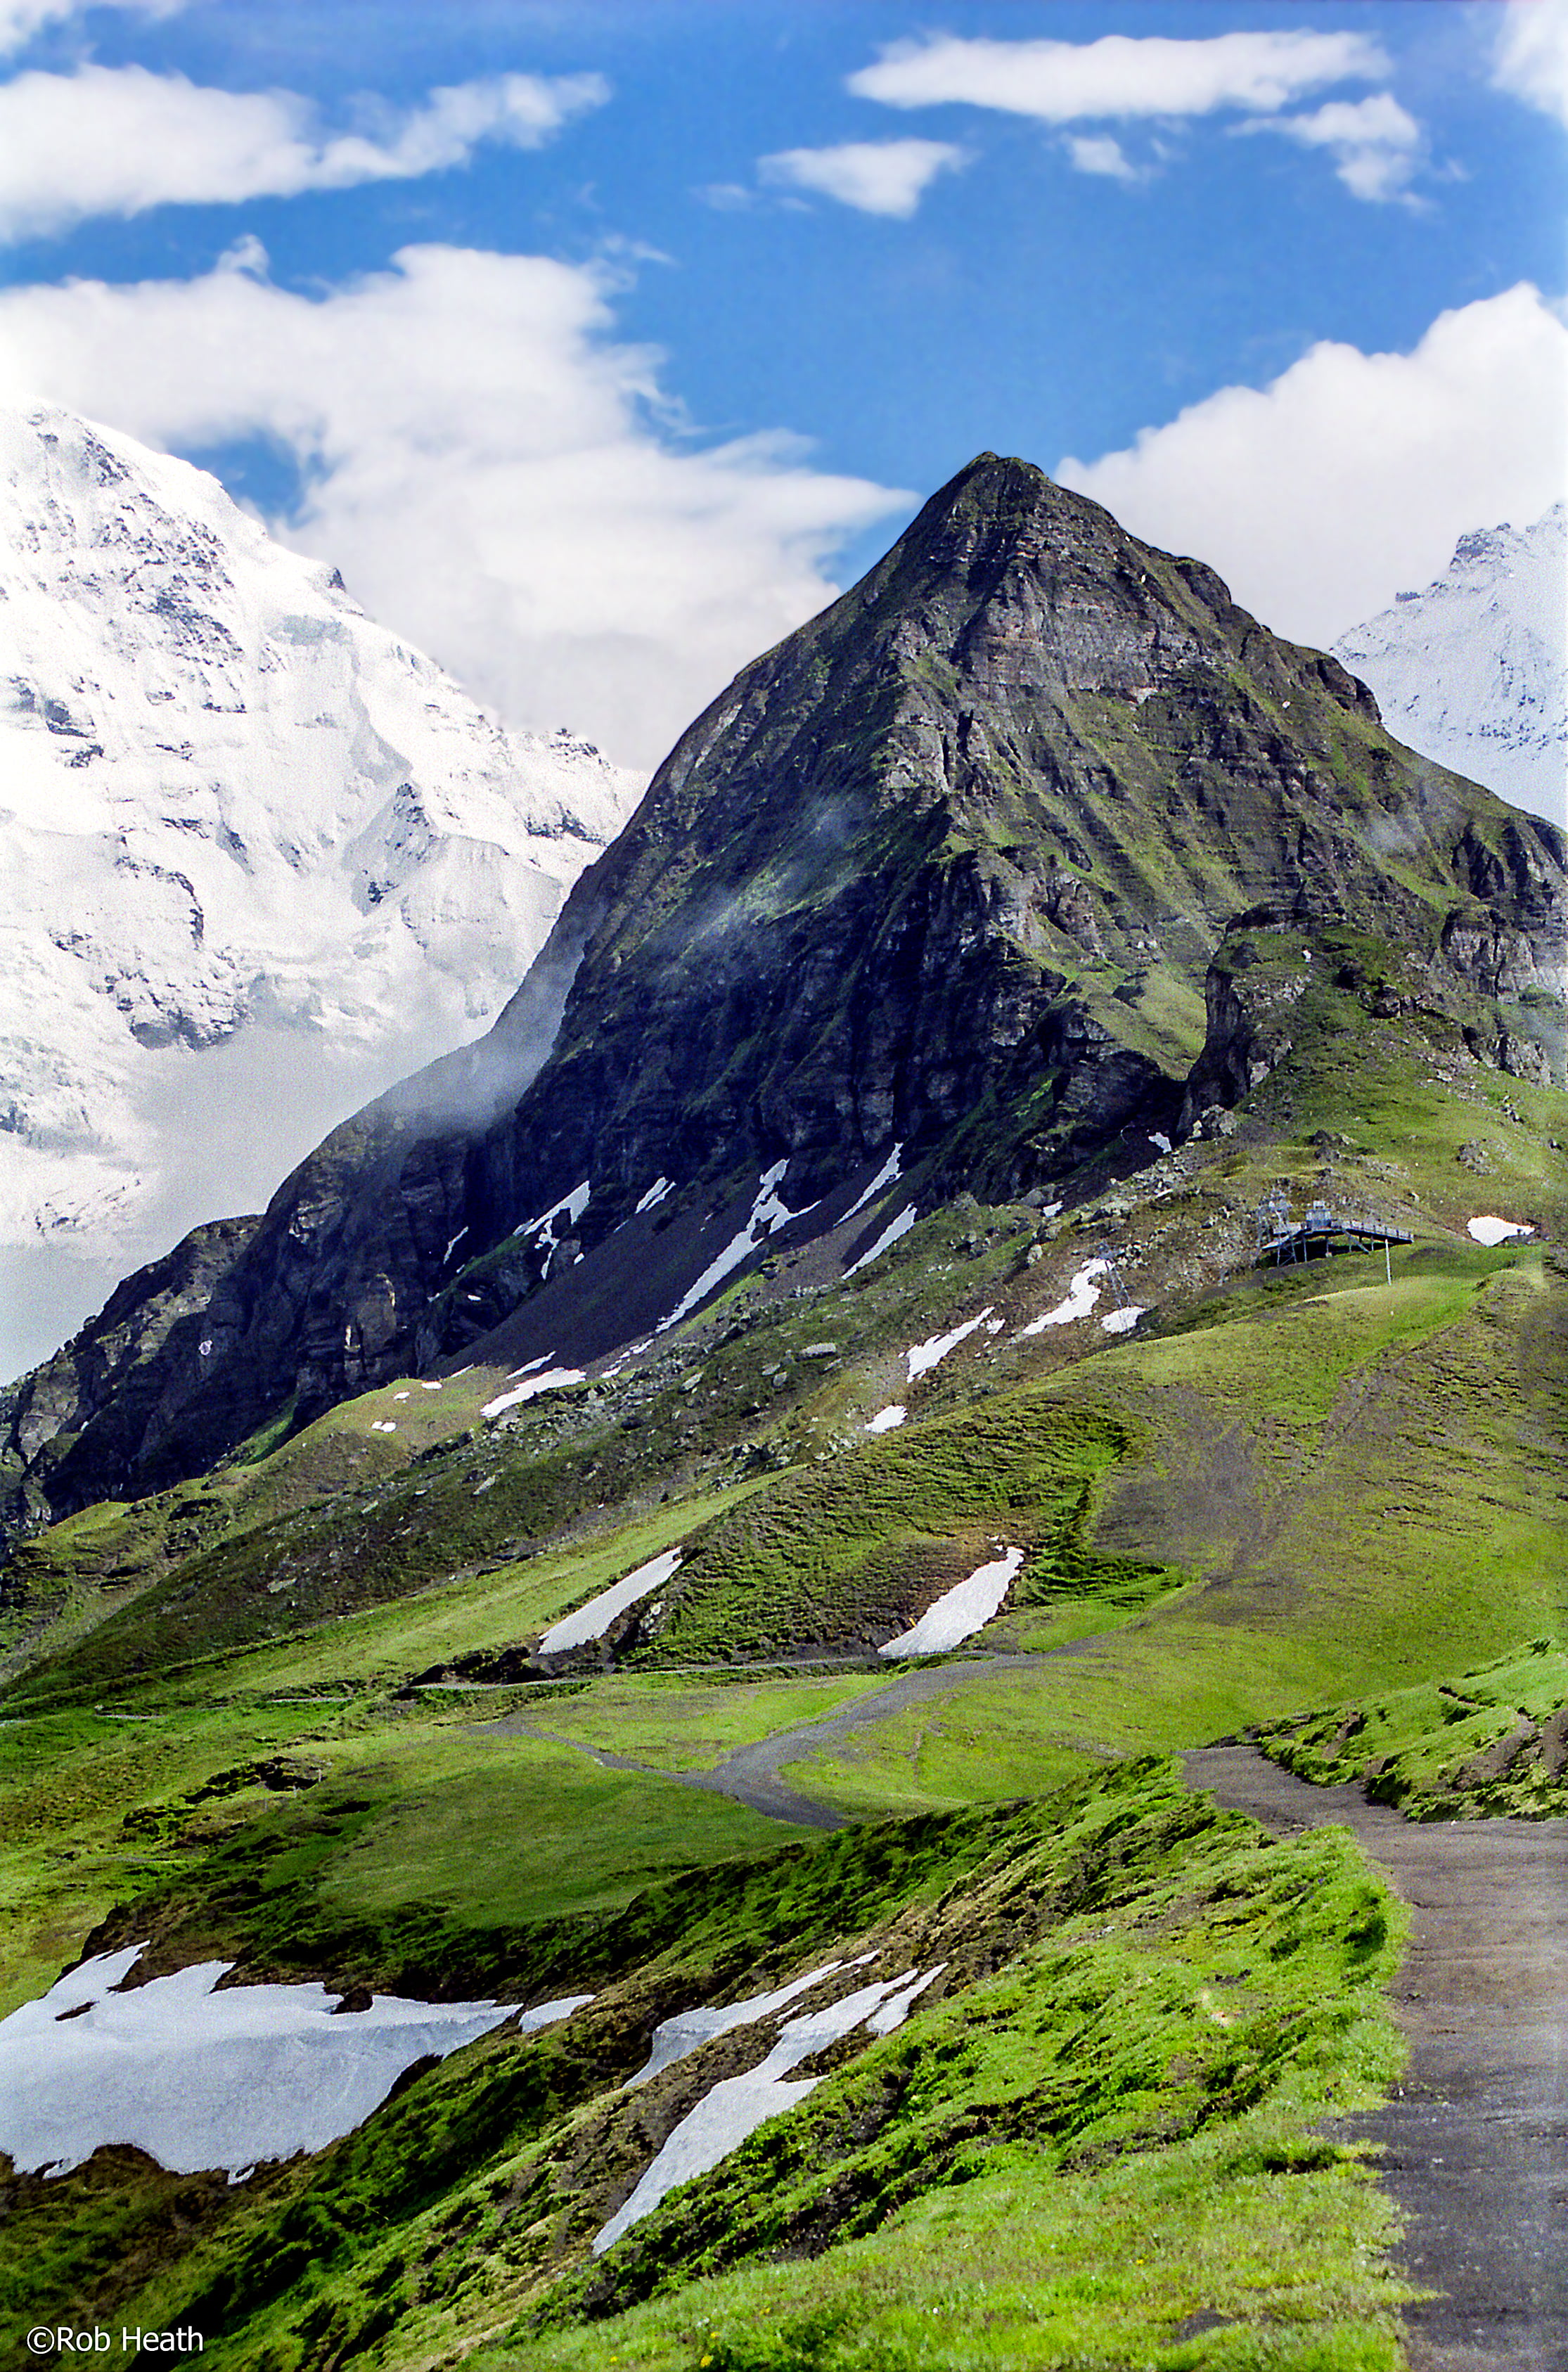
(1351, 476)
(484, 464)
(20, 19)
(110, 140)
(1532, 56)
(1374, 144)
(1120, 74)
(727, 197)
(879, 177)
(1096, 152)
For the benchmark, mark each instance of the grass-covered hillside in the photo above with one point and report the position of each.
(1092, 2137)
(294, 1715)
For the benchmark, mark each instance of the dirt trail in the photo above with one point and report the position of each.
(751, 1773)
(1476, 2141)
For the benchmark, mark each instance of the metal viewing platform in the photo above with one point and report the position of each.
(1322, 1232)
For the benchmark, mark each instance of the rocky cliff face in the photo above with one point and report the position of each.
(932, 891)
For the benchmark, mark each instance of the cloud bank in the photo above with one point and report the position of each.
(497, 477)
(1351, 476)
(116, 140)
(1120, 76)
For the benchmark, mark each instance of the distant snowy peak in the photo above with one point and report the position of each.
(1474, 670)
(230, 805)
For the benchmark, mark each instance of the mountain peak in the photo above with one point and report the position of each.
(1472, 670)
(945, 886)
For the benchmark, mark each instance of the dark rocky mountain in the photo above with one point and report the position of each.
(987, 865)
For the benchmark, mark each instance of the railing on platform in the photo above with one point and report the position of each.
(1320, 1231)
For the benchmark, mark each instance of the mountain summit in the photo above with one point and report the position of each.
(984, 878)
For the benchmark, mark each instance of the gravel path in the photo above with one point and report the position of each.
(1475, 2143)
(751, 1773)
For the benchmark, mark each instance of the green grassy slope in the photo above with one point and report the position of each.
(1142, 2006)
(285, 1718)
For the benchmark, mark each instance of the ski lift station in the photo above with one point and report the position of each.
(1321, 1232)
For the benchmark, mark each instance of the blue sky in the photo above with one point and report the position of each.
(599, 342)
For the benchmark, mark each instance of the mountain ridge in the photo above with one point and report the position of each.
(993, 863)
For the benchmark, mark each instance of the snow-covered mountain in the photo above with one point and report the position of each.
(1474, 670)
(260, 858)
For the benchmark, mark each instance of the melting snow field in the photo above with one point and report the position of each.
(724, 2117)
(1082, 1296)
(768, 1212)
(550, 1381)
(887, 1419)
(203, 2079)
(1121, 1322)
(592, 1621)
(889, 1237)
(678, 2037)
(884, 1178)
(923, 1356)
(1491, 1231)
(959, 1612)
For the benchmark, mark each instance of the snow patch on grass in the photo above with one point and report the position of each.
(923, 1357)
(725, 2115)
(677, 2038)
(959, 1612)
(199, 2078)
(592, 1621)
(552, 1380)
(886, 1420)
(1121, 1322)
(1082, 1295)
(1492, 1231)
